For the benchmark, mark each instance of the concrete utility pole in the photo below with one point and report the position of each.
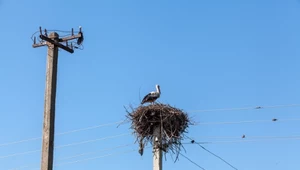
(157, 152)
(53, 43)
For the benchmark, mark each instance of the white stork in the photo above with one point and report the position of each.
(152, 96)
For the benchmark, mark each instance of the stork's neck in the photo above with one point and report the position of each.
(158, 89)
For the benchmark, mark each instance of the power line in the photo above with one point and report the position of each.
(192, 111)
(295, 137)
(81, 160)
(214, 154)
(89, 153)
(20, 153)
(86, 159)
(244, 108)
(109, 124)
(66, 145)
(192, 161)
(212, 142)
(89, 141)
(97, 157)
(89, 128)
(246, 121)
(20, 141)
(249, 137)
(253, 140)
(62, 133)
(75, 156)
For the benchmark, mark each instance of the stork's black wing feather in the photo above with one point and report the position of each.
(146, 98)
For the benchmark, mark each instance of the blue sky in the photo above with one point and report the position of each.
(204, 54)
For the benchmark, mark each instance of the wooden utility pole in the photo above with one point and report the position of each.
(157, 152)
(53, 43)
(49, 105)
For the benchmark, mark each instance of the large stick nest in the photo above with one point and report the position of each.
(172, 121)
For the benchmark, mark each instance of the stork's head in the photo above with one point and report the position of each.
(158, 88)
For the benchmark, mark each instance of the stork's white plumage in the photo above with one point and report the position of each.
(152, 96)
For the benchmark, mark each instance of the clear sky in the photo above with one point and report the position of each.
(204, 54)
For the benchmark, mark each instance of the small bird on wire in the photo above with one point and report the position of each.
(152, 96)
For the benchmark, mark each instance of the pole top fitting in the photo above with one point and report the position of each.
(53, 35)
